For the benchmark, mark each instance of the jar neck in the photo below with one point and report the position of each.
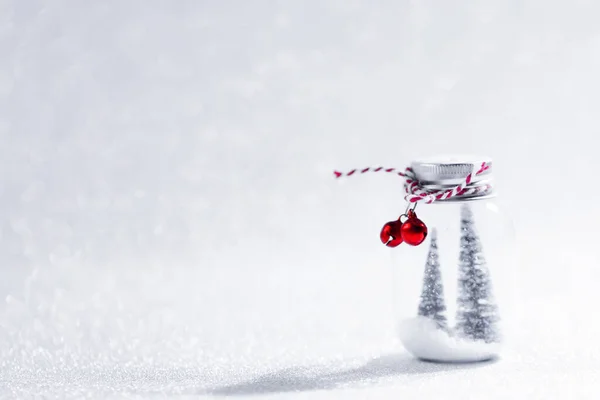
(468, 196)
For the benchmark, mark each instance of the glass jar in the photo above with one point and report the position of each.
(454, 293)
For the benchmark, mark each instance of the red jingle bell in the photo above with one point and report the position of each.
(413, 231)
(390, 234)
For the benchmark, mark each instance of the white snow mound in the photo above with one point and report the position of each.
(424, 340)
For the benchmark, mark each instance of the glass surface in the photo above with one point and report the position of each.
(454, 293)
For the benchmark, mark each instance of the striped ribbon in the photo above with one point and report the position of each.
(415, 192)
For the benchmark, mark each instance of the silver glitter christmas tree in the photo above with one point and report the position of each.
(432, 303)
(477, 314)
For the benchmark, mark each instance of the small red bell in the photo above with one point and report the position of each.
(390, 234)
(413, 231)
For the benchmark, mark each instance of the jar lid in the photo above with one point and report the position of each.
(449, 170)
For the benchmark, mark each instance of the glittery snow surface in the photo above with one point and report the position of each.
(169, 225)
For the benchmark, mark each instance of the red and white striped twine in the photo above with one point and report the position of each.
(415, 191)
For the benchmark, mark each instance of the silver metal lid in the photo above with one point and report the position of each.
(445, 171)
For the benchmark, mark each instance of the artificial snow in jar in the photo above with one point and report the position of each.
(453, 291)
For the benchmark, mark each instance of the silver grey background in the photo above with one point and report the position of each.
(168, 218)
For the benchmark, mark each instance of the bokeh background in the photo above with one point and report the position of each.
(169, 221)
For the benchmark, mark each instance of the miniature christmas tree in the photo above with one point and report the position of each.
(432, 303)
(477, 313)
